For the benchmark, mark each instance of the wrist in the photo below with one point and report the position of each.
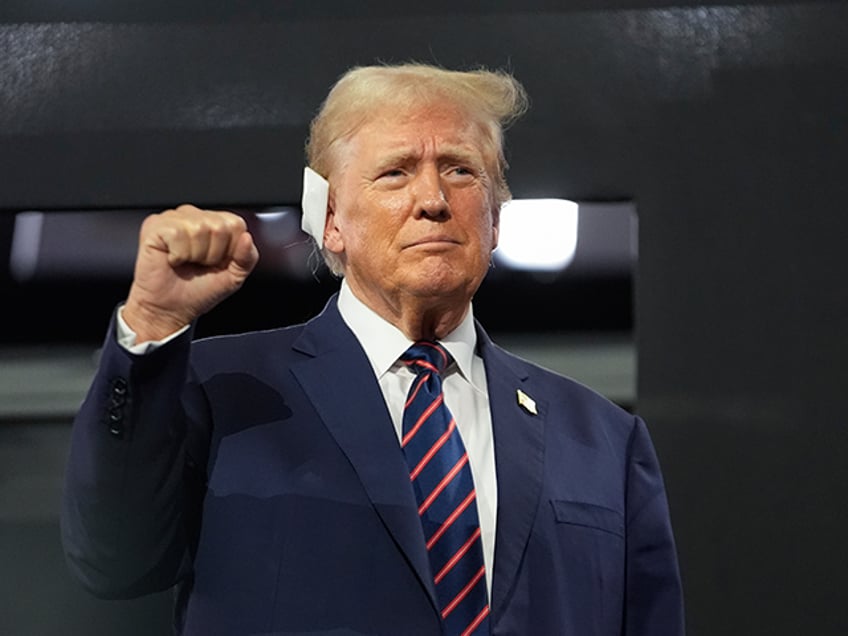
(151, 323)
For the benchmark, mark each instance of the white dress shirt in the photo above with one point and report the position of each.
(464, 386)
(466, 395)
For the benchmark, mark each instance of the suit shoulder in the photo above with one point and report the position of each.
(263, 336)
(250, 345)
(575, 412)
(556, 380)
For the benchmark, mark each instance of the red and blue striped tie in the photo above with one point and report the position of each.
(441, 478)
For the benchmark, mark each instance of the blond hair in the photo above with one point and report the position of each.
(494, 98)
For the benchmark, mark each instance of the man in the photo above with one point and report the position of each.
(274, 477)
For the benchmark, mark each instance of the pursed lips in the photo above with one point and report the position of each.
(433, 241)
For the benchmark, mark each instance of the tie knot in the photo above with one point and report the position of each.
(427, 356)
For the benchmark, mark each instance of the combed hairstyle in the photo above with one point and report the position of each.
(494, 98)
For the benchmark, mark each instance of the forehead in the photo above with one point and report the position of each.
(444, 129)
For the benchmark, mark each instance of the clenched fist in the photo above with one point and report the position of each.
(188, 261)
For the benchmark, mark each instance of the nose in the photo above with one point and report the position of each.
(430, 198)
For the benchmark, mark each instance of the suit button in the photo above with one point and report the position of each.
(115, 414)
(115, 421)
(119, 387)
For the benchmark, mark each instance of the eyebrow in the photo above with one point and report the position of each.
(458, 154)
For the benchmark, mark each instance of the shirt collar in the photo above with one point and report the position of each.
(384, 343)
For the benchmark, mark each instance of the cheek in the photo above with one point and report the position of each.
(370, 226)
(393, 206)
(487, 228)
(383, 216)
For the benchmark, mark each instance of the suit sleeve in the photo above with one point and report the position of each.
(654, 598)
(126, 518)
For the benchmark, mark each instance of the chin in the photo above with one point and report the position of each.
(440, 277)
(442, 285)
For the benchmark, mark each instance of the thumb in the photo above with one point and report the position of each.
(245, 255)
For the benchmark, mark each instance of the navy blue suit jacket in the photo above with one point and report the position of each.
(261, 475)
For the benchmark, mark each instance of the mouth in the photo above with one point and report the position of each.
(433, 241)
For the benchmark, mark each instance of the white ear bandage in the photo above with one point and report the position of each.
(316, 192)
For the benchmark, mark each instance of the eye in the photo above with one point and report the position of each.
(390, 178)
(392, 173)
(461, 172)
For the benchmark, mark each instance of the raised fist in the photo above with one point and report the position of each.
(188, 261)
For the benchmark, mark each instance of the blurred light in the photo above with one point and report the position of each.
(537, 234)
(26, 242)
(274, 214)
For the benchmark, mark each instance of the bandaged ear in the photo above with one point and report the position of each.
(316, 192)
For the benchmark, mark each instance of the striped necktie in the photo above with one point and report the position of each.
(447, 505)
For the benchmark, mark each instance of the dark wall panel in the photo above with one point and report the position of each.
(742, 329)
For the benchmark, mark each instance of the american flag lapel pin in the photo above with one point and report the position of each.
(526, 402)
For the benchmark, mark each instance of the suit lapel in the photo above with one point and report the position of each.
(339, 381)
(519, 458)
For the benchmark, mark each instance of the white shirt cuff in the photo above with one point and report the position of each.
(126, 337)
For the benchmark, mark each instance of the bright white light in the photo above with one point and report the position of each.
(538, 234)
(273, 214)
(26, 242)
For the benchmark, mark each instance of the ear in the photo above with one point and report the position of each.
(333, 240)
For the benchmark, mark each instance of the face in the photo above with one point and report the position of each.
(412, 211)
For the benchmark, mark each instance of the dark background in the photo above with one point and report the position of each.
(727, 125)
